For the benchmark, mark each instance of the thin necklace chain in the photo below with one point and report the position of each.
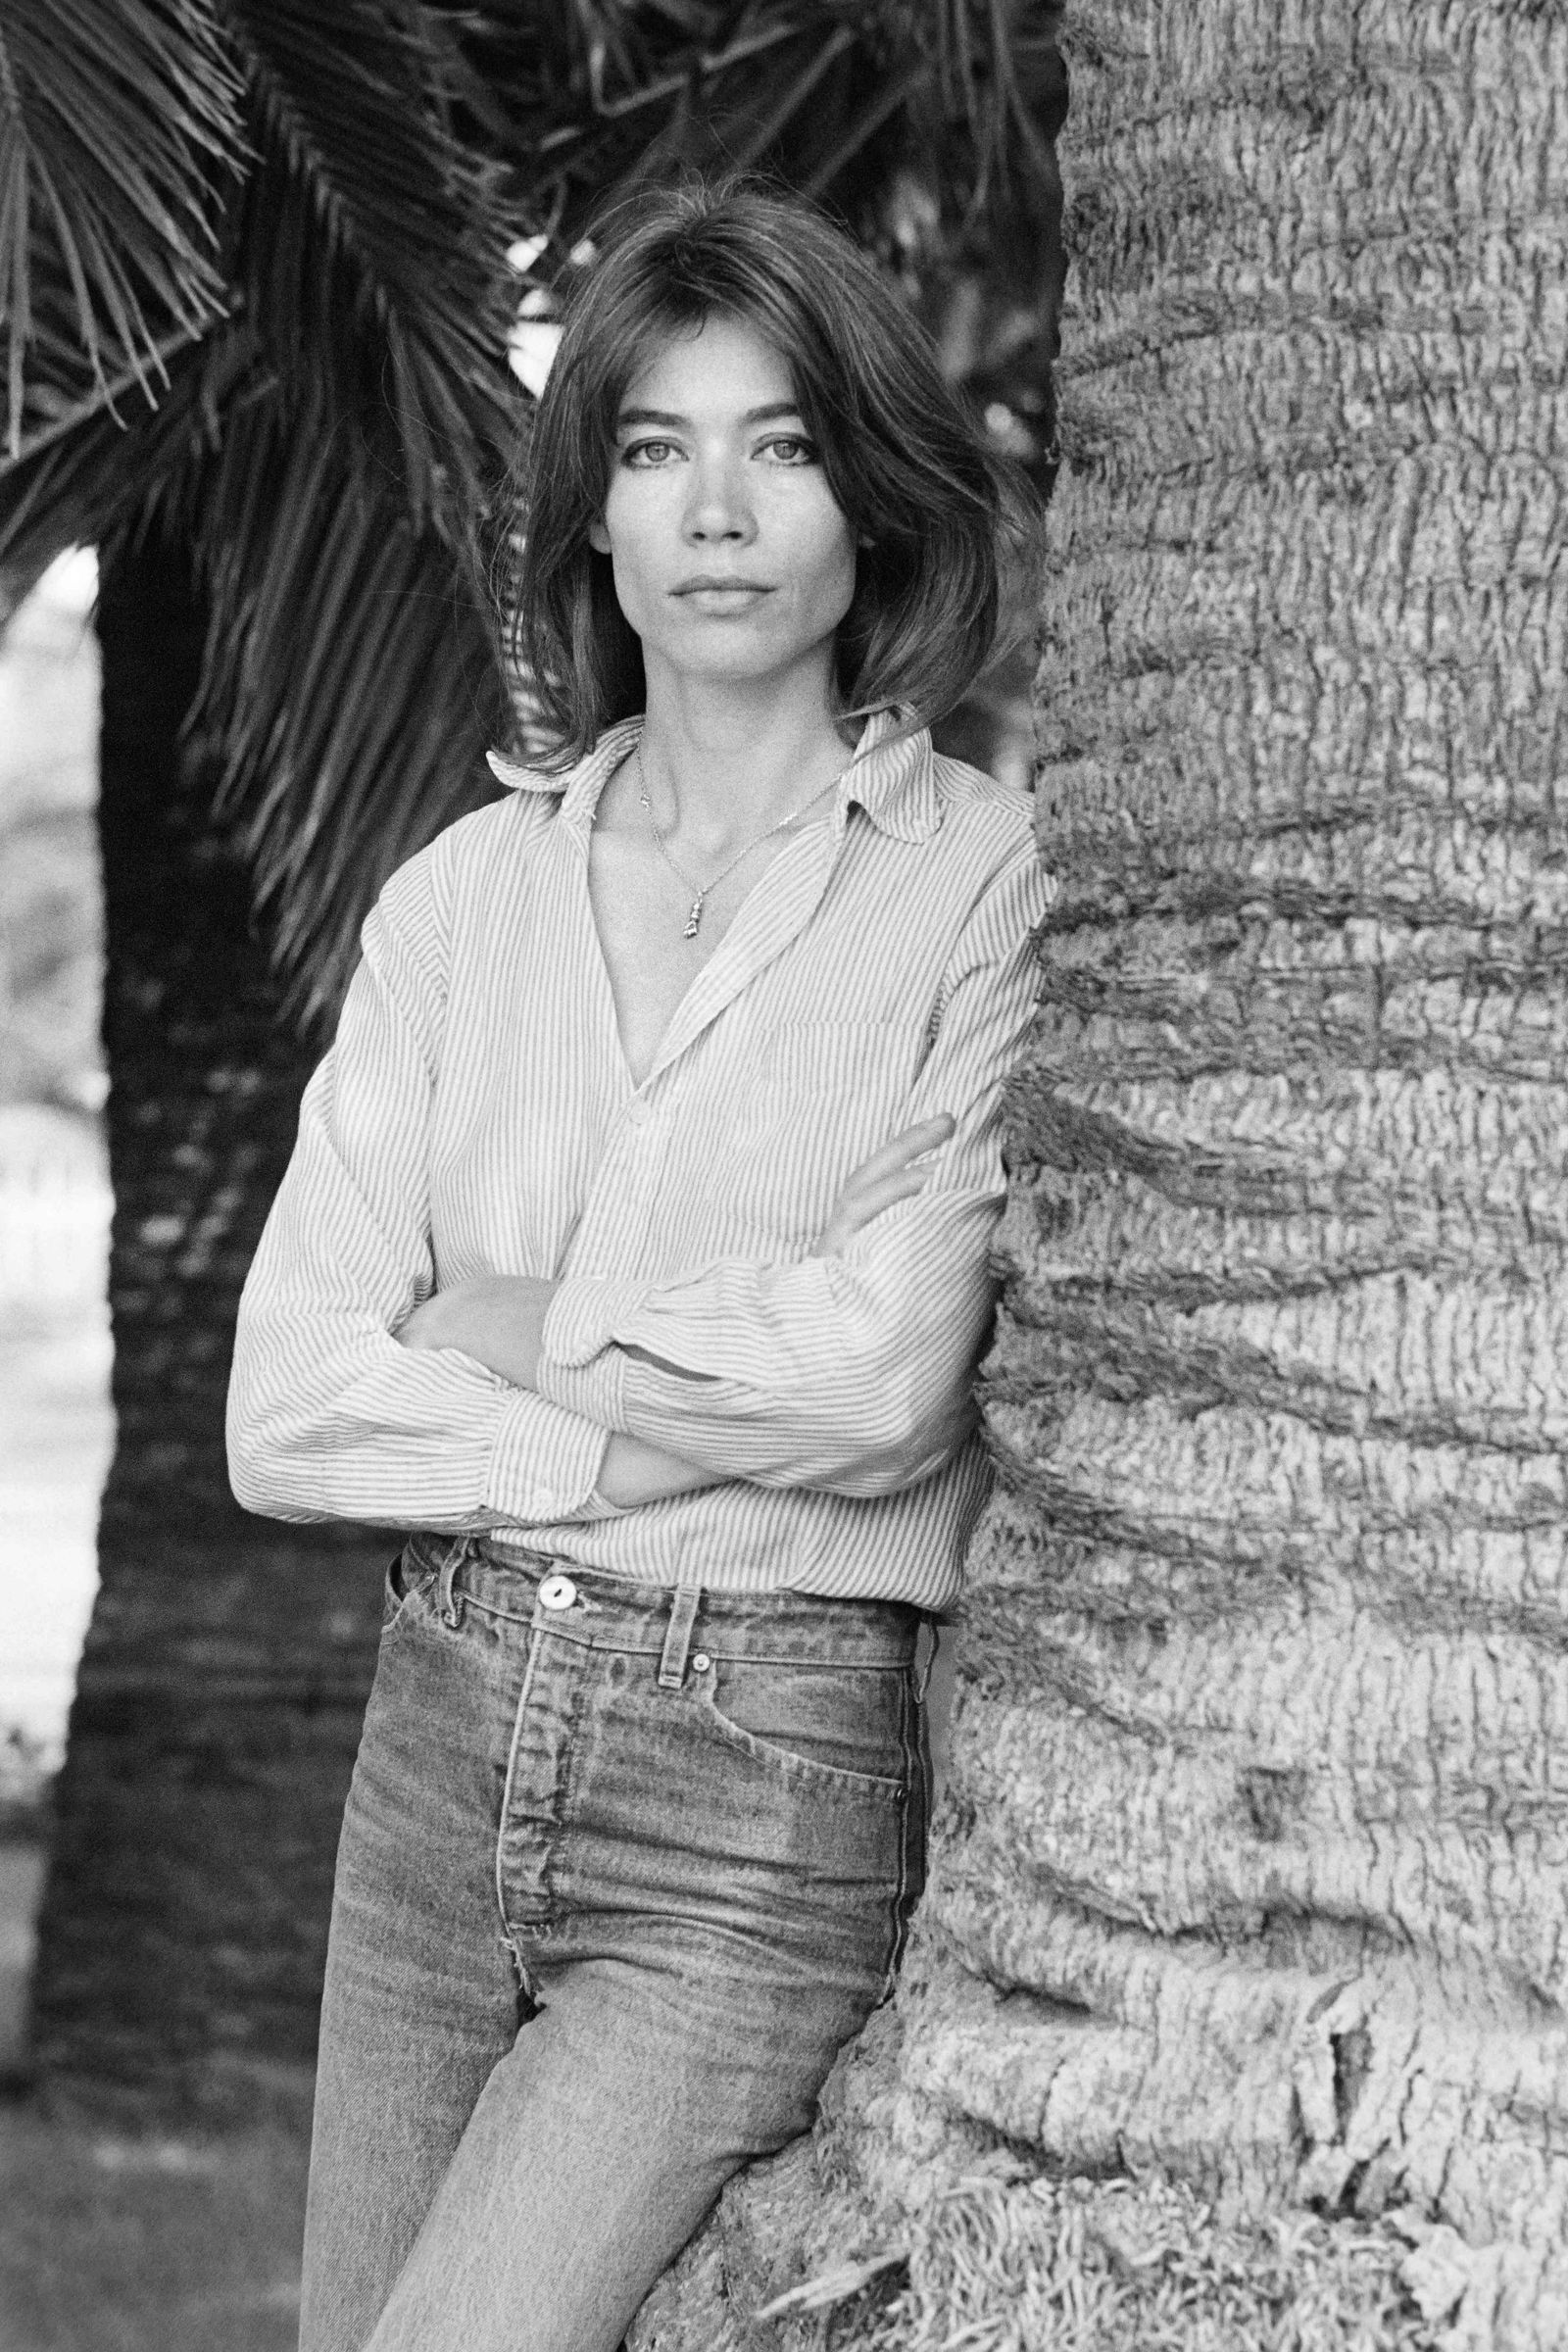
(705, 889)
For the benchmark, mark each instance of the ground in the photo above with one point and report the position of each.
(120, 2237)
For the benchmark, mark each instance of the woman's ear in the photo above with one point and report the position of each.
(599, 538)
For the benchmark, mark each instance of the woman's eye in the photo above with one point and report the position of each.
(646, 453)
(791, 450)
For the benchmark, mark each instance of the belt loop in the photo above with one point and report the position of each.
(451, 1597)
(679, 1633)
(922, 1678)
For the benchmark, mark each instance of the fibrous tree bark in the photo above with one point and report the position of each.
(1256, 1863)
(1251, 1869)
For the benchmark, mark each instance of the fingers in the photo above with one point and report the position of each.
(911, 1145)
(849, 1221)
(890, 1175)
(872, 1199)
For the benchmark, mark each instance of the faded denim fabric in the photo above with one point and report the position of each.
(623, 1868)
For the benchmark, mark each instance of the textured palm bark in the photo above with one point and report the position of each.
(1254, 1861)
(228, 1660)
(1252, 1864)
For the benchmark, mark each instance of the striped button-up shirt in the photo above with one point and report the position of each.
(476, 1116)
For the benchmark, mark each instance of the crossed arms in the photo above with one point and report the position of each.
(361, 1391)
(499, 1319)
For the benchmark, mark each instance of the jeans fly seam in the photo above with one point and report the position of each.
(510, 1931)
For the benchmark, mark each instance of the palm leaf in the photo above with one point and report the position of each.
(312, 291)
(352, 681)
(372, 246)
(120, 126)
(87, 479)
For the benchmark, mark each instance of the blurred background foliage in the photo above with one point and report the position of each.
(264, 263)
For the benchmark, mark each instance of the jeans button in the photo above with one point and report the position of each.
(701, 1662)
(557, 1592)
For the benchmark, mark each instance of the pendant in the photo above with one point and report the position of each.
(695, 916)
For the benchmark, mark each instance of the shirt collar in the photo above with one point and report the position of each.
(579, 787)
(892, 775)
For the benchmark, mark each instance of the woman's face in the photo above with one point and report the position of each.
(732, 560)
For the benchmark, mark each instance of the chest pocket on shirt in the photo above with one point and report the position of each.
(827, 1095)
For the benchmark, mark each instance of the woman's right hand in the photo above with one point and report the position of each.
(888, 1176)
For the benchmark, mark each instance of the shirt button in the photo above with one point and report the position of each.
(557, 1592)
(639, 1112)
(541, 1501)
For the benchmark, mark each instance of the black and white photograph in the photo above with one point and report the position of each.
(784, 1176)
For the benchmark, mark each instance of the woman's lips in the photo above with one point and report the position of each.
(715, 587)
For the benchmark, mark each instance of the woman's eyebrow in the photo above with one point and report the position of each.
(763, 415)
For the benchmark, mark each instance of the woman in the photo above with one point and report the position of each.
(634, 1248)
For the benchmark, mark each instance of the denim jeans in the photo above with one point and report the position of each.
(622, 1867)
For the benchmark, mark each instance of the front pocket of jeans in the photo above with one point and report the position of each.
(837, 1728)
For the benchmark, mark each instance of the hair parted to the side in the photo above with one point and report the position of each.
(908, 466)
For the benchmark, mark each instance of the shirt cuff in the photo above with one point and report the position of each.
(545, 1462)
(581, 1368)
(582, 1317)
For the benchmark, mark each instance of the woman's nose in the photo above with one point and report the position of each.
(718, 508)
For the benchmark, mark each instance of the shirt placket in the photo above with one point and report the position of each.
(611, 1236)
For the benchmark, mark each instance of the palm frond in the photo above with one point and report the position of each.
(120, 126)
(599, 90)
(351, 683)
(371, 250)
(88, 478)
(286, 335)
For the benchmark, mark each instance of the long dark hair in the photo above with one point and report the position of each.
(902, 456)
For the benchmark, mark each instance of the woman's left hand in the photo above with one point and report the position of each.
(890, 1175)
(499, 1319)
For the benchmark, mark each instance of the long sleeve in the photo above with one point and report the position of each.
(848, 1374)
(328, 1417)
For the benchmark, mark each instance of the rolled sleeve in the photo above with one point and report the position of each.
(545, 1462)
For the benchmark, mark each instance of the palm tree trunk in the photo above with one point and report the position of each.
(1251, 1869)
(1255, 1866)
(229, 1659)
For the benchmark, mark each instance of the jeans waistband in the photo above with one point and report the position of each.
(608, 1612)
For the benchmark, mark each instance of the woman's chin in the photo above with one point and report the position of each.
(731, 654)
